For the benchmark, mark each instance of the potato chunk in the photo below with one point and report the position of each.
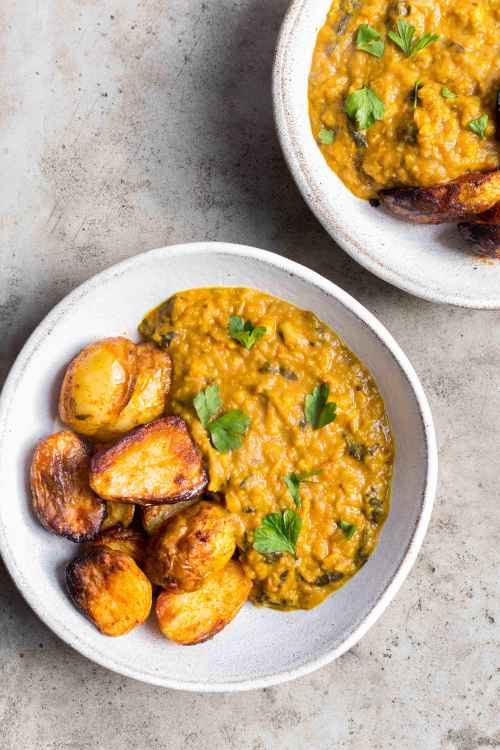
(118, 514)
(61, 495)
(196, 616)
(97, 385)
(149, 397)
(460, 198)
(194, 544)
(154, 516)
(155, 463)
(484, 232)
(129, 541)
(110, 589)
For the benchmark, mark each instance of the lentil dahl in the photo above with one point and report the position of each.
(420, 145)
(347, 462)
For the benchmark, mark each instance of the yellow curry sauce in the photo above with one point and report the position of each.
(354, 453)
(424, 139)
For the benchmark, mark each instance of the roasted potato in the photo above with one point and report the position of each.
(191, 546)
(195, 616)
(460, 198)
(156, 463)
(97, 385)
(118, 514)
(61, 495)
(484, 232)
(154, 516)
(110, 589)
(130, 541)
(149, 397)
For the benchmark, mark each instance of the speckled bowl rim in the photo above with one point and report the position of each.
(36, 340)
(292, 147)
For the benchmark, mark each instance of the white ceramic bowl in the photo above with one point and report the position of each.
(430, 262)
(261, 647)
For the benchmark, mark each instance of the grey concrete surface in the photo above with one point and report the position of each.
(130, 125)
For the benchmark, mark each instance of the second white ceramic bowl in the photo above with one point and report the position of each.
(261, 647)
(430, 262)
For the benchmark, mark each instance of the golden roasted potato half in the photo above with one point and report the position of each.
(155, 516)
(154, 464)
(110, 589)
(61, 495)
(149, 397)
(118, 514)
(460, 198)
(132, 542)
(195, 616)
(484, 232)
(97, 385)
(194, 544)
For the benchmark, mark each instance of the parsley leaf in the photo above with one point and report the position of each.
(293, 481)
(447, 94)
(317, 411)
(479, 125)
(349, 529)
(364, 107)
(416, 89)
(207, 403)
(227, 431)
(278, 532)
(326, 136)
(424, 42)
(244, 332)
(369, 40)
(403, 37)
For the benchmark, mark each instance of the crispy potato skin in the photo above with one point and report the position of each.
(196, 616)
(153, 517)
(460, 198)
(154, 464)
(194, 544)
(61, 495)
(484, 232)
(110, 589)
(118, 514)
(131, 542)
(97, 385)
(149, 397)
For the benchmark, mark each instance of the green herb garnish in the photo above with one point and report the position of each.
(447, 94)
(369, 40)
(403, 37)
(479, 125)
(278, 532)
(317, 411)
(416, 89)
(326, 136)
(293, 481)
(226, 432)
(349, 529)
(244, 331)
(207, 404)
(364, 107)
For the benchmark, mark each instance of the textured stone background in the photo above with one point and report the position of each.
(130, 125)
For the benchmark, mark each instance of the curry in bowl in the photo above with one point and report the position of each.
(240, 451)
(403, 98)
